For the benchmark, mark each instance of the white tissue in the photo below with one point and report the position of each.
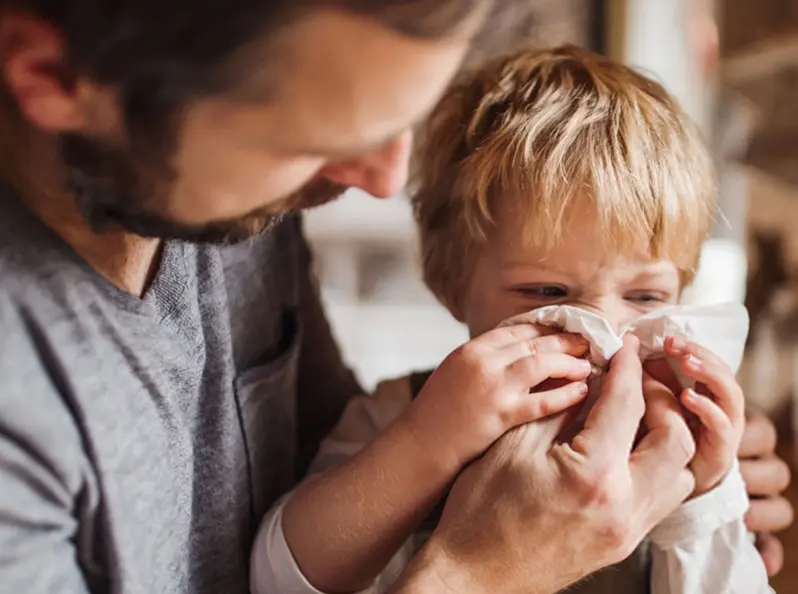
(720, 328)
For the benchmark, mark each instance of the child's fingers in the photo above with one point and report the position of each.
(530, 371)
(679, 347)
(719, 430)
(704, 367)
(507, 335)
(539, 405)
(721, 384)
(570, 344)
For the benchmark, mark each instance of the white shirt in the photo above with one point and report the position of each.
(702, 548)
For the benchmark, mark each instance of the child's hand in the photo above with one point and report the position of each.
(482, 390)
(718, 403)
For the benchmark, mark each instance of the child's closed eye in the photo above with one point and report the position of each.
(648, 297)
(542, 292)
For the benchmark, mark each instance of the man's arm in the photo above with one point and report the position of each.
(39, 473)
(325, 383)
(37, 530)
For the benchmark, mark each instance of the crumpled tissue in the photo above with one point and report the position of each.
(721, 328)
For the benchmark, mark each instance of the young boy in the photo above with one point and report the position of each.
(545, 178)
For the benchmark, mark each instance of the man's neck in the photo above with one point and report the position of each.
(128, 261)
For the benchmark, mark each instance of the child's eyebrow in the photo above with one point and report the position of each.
(654, 269)
(539, 266)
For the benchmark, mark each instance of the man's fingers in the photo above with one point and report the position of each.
(615, 417)
(530, 371)
(660, 369)
(664, 488)
(765, 477)
(668, 446)
(769, 515)
(569, 344)
(759, 436)
(660, 401)
(772, 552)
(539, 405)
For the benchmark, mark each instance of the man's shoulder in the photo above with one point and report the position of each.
(31, 255)
(37, 277)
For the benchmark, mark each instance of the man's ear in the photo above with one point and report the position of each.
(35, 73)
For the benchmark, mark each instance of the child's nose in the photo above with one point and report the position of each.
(606, 310)
(381, 172)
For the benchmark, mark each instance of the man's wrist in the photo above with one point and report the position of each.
(432, 572)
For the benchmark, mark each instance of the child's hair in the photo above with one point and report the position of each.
(552, 130)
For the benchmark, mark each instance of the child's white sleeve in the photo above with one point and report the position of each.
(705, 548)
(273, 567)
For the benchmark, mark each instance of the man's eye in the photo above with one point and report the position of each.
(544, 291)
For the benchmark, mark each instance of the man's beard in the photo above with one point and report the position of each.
(114, 191)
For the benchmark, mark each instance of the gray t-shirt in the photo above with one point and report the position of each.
(141, 440)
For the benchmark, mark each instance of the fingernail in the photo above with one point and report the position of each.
(693, 362)
(583, 388)
(678, 343)
(587, 366)
(691, 394)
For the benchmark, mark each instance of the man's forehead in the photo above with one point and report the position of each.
(350, 84)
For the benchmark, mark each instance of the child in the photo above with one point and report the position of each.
(545, 178)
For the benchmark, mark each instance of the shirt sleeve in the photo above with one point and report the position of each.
(39, 474)
(274, 569)
(705, 548)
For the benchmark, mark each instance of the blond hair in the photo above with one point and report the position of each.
(554, 129)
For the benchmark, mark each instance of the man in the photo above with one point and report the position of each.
(157, 395)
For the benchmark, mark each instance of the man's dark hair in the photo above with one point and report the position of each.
(161, 54)
(185, 45)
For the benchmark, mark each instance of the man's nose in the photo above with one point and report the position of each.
(381, 172)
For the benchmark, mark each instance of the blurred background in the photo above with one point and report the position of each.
(733, 64)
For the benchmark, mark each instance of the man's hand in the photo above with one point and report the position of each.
(535, 515)
(482, 390)
(766, 477)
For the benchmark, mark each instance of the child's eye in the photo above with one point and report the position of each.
(647, 297)
(544, 291)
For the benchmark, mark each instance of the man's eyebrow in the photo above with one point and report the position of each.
(349, 153)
